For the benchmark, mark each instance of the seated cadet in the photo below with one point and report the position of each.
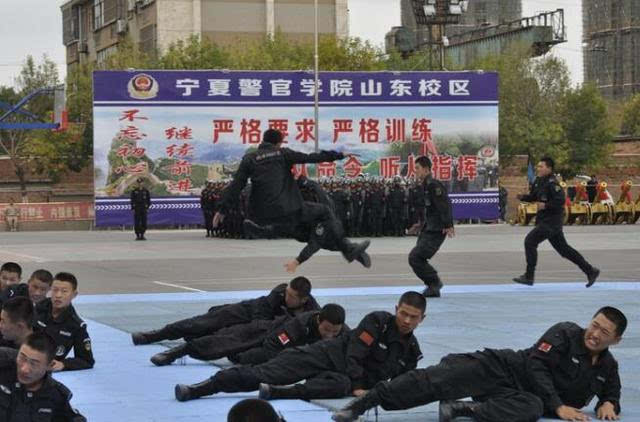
(16, 322)
(28, 393)
(57, 317)
(36, 288)
(10, 273)
(260, 340)
(282, 300)
(381, 347)
(253, 410)
(556, 377)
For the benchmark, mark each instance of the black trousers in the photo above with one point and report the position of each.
(324, 378)
(229, 341)
(475, 375)
(542, 232)
(215, 319)
(140, 221)
(208, 219)
(311, 213)
(426, 247)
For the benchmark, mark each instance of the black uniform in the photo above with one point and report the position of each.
(396, 203)
(50, 403)
(257, 341)
(372, 352)
(218, 317)
(510, 385)
(549, 225)
(207, 204)
(13, 290)
(69, 331)
(375, 208)
(416, 205)
(140, 203)
(438, 217)
(357, 201)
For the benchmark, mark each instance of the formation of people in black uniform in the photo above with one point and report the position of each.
(39, 328)
(285, 346)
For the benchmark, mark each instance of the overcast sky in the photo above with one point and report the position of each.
(35, 27)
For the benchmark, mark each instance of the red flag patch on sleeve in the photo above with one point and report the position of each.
(366, 338)
(544, 347)
(284, 338)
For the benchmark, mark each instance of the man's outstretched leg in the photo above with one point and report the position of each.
(536, 236)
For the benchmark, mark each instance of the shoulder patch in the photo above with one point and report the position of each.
(366, 338)
(545, 347)
(558, 188)
(284, 338)
(87, 344)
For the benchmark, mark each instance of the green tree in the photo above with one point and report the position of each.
(631, 117)
(587, 129)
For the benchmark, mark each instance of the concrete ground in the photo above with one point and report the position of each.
(127, 286)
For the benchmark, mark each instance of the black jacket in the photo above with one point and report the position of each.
(437, 205)
(69, 331)
(274, 192)
(271, 306)
(561, 372)
(12, 291)
(547, 190)
(140, 199)
(49, 404)
(376, 351)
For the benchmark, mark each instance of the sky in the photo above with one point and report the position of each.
(35, 27)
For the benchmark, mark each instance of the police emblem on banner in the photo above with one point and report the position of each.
(143, 87)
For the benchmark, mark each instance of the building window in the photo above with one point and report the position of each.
(70, 25)
(98, 14)
(102, 55)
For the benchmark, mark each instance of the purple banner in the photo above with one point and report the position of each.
(113, 212)
(206, 87)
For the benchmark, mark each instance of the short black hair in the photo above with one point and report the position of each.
(414, 299)
(12, 267)
(42, 343)
(42, 275)
(424, 161)
(333, 313)
(19, 309)
(616, 316)
(253, 410)
(272, 136)
(302, 286)
(548, 161)
(67, 277)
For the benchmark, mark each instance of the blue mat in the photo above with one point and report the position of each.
(125, 386)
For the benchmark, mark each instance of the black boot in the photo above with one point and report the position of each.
(451, 409)
(356, 407)
(526, 279)
(352, 251)
(147, 337)
(186, 392)
(592, 276)
(270, 392)
(169, 356)
(364, 259)
(433, 289)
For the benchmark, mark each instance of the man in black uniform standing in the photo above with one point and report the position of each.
(556, 377)
(381, 347)
(438, 225)
(275, 197)
(549, 198)
(27, 390)
(207, 206)
(140, 203)
(260, 340)
(284, 299)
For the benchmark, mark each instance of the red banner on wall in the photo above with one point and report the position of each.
(53, 211)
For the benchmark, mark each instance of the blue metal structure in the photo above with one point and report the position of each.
(17, 109)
